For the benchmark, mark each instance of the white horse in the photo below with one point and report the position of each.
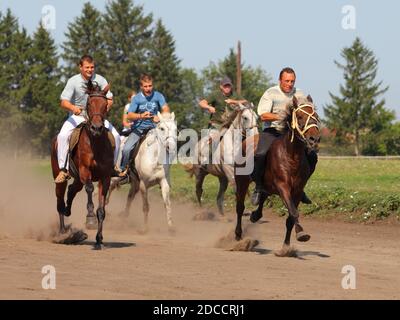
(152, 164)
(246, 123)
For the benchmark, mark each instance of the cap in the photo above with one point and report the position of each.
(225, 81)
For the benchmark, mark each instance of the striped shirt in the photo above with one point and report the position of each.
(274, 100)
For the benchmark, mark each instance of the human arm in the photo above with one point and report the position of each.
(66, 105)
(205, 106)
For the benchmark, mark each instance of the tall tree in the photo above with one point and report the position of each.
(84, 36)
(42, 114)
(14, 45)
(127, 34)
(164, 65)
(358, 110)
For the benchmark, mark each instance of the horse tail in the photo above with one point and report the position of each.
(189, 168)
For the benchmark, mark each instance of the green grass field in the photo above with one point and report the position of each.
(355, 189)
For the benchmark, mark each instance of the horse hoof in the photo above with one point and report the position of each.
(255, 216)
(286, 251)
(91, 223)
(98, 246)
(238, 238)
(302, 236)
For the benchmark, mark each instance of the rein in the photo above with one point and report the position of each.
(307, 126)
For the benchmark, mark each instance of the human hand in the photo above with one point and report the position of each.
(146, 115)
(230, 101)
(156, 119)
(211, 109)
(76, 111)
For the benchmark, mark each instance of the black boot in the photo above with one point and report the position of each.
(305, 199)
(258, 176)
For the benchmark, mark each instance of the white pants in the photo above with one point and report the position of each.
(121, 146)
(65, 134)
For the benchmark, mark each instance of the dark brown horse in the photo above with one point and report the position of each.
(287, 169)
(93, 160)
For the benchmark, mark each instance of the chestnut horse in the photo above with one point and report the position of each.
(287, 168)
(93, 160)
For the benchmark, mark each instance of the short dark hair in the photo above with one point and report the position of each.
(130, 94)
(86, 58)
(145, 77)
(287, 70)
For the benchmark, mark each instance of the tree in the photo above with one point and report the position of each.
(84, 36)
(42, 114)
(358, 111)
(164, 65)
(188, 113)
(127, 35)
(14, 45)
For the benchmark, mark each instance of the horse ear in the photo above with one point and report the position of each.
(173, 116)
(159, 115)
(309, 99)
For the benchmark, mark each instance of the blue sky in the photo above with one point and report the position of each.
(306, 35)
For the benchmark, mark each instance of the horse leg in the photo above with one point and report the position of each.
(223, 185)
(91, 222)
(199, 184)
(60, 192)
(73, 189)
(113, 184)
(242, 185)
(293, 218)
(146, 207)
(134, 188)
(165, 190)
(103, 185)
(257, 214)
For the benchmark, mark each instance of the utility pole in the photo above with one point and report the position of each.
(239, 69)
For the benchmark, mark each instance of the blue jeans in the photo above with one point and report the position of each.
(130, 143)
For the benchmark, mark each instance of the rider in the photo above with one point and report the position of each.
(220, 107)
(143, 112)
(272, 110)
(74, 99)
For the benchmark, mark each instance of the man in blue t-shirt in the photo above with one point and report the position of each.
(143, 113)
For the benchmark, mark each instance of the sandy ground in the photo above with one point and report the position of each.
(189, 264)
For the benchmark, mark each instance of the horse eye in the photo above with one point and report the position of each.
(162, 129)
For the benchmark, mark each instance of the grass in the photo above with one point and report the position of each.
(355, 190)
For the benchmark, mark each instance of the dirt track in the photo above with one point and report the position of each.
(187, 265)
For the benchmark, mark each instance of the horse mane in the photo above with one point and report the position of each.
(92, 87)
(300, 101)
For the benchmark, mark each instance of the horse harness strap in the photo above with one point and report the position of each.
(295, 124)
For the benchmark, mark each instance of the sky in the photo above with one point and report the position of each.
(307, 35)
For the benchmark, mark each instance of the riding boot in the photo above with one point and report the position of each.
(258, 177)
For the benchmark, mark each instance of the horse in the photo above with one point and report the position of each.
(245, 121)
(93, 160)
(152, 167)
(287, 169)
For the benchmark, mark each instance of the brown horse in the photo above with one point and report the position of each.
(287, 168)
(93, 160)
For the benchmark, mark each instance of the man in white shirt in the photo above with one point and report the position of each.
(272, 111)
(74, 99)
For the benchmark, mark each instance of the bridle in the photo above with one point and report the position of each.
(96, 113)
(295, 125)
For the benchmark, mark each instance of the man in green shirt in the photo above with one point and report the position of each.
(221, 108)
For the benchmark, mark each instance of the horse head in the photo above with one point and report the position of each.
(304, 122)
(166, 131)
(246, 118)
(96, 107)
